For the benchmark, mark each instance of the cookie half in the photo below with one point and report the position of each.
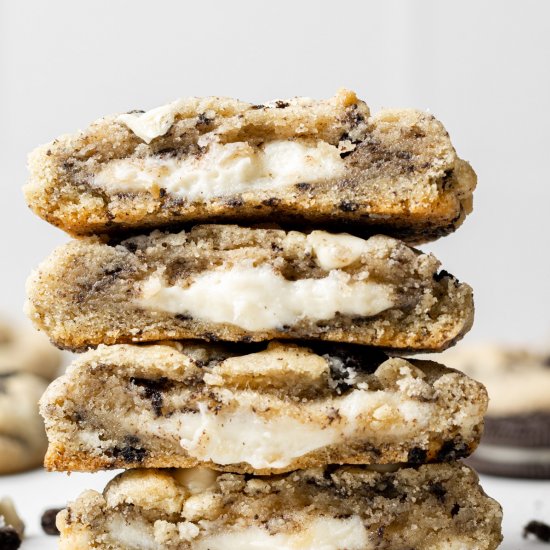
(516, 442)
(241, 284)
(299, 161)
(432, 507)
(22, 437)
(278, 409)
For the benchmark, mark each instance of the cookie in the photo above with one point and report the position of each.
(302, 162)
(22, 437)
(433, 507)
(232, 283)
(277, 409)
(516, 441)
(24, 349)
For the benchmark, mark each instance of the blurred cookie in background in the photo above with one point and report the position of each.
(27, 364)
(516, 441)
(24, 349)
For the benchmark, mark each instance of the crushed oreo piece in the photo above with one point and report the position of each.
(48, 521)
(281, 104)
(153, 390)
(10, 539)
(417, 456)
(539, 529)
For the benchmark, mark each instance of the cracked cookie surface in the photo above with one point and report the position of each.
(300, 161)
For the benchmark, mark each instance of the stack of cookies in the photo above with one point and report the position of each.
(239, 290)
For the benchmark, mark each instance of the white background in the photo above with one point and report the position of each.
(481, 67)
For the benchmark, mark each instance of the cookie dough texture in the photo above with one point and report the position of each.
(22, 437)
(241, 284)
(432, 507)
(24, 349)
(279, 408)
(221, 160)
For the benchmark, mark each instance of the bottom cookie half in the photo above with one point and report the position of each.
(437, 506)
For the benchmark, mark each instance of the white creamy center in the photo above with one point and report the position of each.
(321, 534)
(334, 251)
(257, 298)
(225, 169)
(243, 435)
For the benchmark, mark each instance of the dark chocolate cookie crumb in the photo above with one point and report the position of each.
(540, 529)
(48, 521)
(417, 456)
(10, 539)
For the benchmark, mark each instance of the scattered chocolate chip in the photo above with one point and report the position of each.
(10, 539)
(281, 104)
(540, 529)
(348, 206)
(417, 456)
(455, 509)
(48, 521)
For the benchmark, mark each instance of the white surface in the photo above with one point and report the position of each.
(36, 491)
(481, 67)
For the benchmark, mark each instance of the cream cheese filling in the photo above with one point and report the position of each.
(321, 534)
(258, 298)
(225, 169)
(242, 435)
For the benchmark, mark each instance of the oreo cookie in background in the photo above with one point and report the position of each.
(516, 440)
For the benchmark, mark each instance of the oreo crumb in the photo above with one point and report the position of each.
(10, 539)
(281, 104)
(348, 206)
(417, 456)
(540, 529)
(48, 521)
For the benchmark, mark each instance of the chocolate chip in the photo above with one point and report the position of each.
(417, 456)
(48, 521)
(281, 104)
(540, 529)
(348, 206)
(9, 538)
(455, 509)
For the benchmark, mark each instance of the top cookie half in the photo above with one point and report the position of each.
(303, 162)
